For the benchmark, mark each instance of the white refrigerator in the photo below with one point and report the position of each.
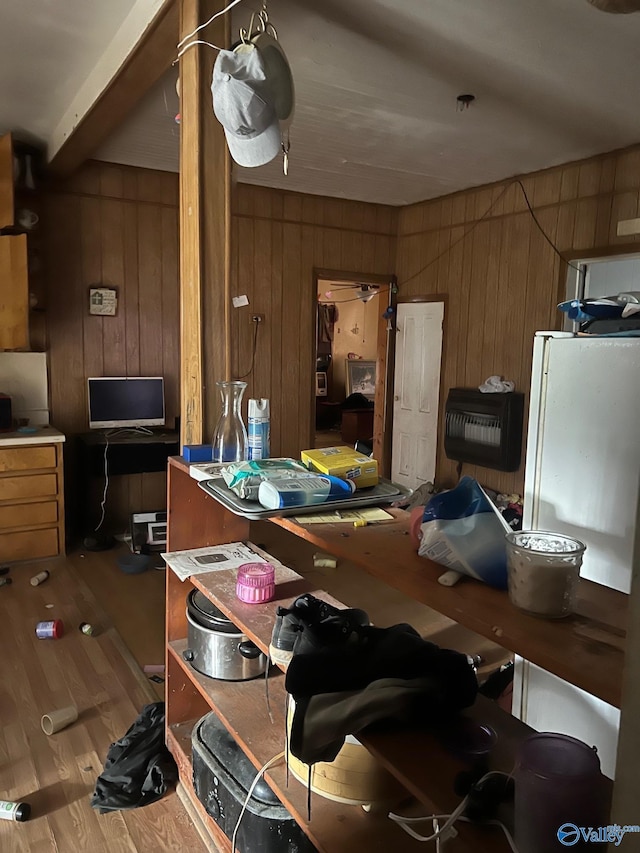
(582, 478)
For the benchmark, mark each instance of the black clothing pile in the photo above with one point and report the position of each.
(378, 675)
(139, 768)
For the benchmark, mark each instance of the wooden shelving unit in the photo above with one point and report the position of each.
(416, 758)
(586, 649)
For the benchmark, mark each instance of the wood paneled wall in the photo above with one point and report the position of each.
(278, 238)
(502, 277)
(117, 226)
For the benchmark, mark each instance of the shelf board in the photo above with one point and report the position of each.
(241, 707)
(586, 649)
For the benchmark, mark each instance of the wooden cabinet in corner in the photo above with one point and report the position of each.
(14, 293)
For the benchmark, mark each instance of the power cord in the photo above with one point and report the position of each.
(103, 503)
(481, 803)
(474, 225)
(253, 354)
(261, 772)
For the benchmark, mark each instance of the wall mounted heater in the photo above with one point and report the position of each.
(484, 429)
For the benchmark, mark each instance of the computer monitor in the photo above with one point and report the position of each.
(132, 401)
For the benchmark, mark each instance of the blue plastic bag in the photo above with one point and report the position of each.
(462, 530)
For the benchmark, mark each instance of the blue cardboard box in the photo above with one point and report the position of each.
(198, 453)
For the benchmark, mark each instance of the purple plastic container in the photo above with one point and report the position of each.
(557, 782)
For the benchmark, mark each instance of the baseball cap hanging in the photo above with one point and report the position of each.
(243, 103)
(254, 98)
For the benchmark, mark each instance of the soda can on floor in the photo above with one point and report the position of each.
(50, 630)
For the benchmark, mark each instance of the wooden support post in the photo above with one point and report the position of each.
(205, 229)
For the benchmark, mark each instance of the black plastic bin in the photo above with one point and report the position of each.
(222, 776)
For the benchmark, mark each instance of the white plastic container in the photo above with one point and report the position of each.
(305, 491)
(259, 431)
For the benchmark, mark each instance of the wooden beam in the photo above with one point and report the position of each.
(144, 66)
(215, 189)
(205, 234)
(190, 236)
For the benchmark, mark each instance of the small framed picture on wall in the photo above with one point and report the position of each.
(361, 378)
(103, 301)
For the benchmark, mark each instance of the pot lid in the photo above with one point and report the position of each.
(204, 611)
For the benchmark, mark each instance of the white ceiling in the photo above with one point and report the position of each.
(376, 86)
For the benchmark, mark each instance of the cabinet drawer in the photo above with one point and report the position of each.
(28, 515)
(29, 545)
(29, 486)
(27, 458)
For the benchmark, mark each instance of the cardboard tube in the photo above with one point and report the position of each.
(59, 719)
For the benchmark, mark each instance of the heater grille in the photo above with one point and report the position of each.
(484, 429)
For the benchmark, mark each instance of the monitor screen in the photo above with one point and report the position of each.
(126, 402)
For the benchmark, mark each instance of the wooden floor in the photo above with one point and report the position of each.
(98, 674)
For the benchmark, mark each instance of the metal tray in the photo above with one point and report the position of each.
(385, 492)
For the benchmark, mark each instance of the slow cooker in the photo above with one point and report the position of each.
(217, 647)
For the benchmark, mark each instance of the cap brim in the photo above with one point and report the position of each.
(278, 75)
(258, 150)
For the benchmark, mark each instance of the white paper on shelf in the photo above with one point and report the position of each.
(345, 515)
(214, 558)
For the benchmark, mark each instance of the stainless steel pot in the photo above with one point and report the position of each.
(217, 647)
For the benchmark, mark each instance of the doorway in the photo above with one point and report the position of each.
(351, 360)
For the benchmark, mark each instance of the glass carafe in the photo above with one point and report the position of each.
(230, 435)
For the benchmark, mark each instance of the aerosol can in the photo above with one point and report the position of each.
(259, 427)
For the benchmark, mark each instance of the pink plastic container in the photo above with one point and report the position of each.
(256, 583)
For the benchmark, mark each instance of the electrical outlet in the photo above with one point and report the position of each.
(257, 318)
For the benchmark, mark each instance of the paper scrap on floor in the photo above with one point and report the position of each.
(345, 515)
(214, 558)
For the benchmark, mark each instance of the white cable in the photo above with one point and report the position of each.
(444, 831)
(192, 44)
(248, 797)
(206, 24)
(106, 483)
(440, 833)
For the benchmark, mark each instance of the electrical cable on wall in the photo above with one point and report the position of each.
(253, 354)
(474, 225)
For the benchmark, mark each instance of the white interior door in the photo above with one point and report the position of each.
(416, 392)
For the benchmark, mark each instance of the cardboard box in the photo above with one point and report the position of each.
(343, 462)
(197, 453)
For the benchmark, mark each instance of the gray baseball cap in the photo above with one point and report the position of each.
(245, 105)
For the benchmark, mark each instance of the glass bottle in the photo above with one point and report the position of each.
(230, 435)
